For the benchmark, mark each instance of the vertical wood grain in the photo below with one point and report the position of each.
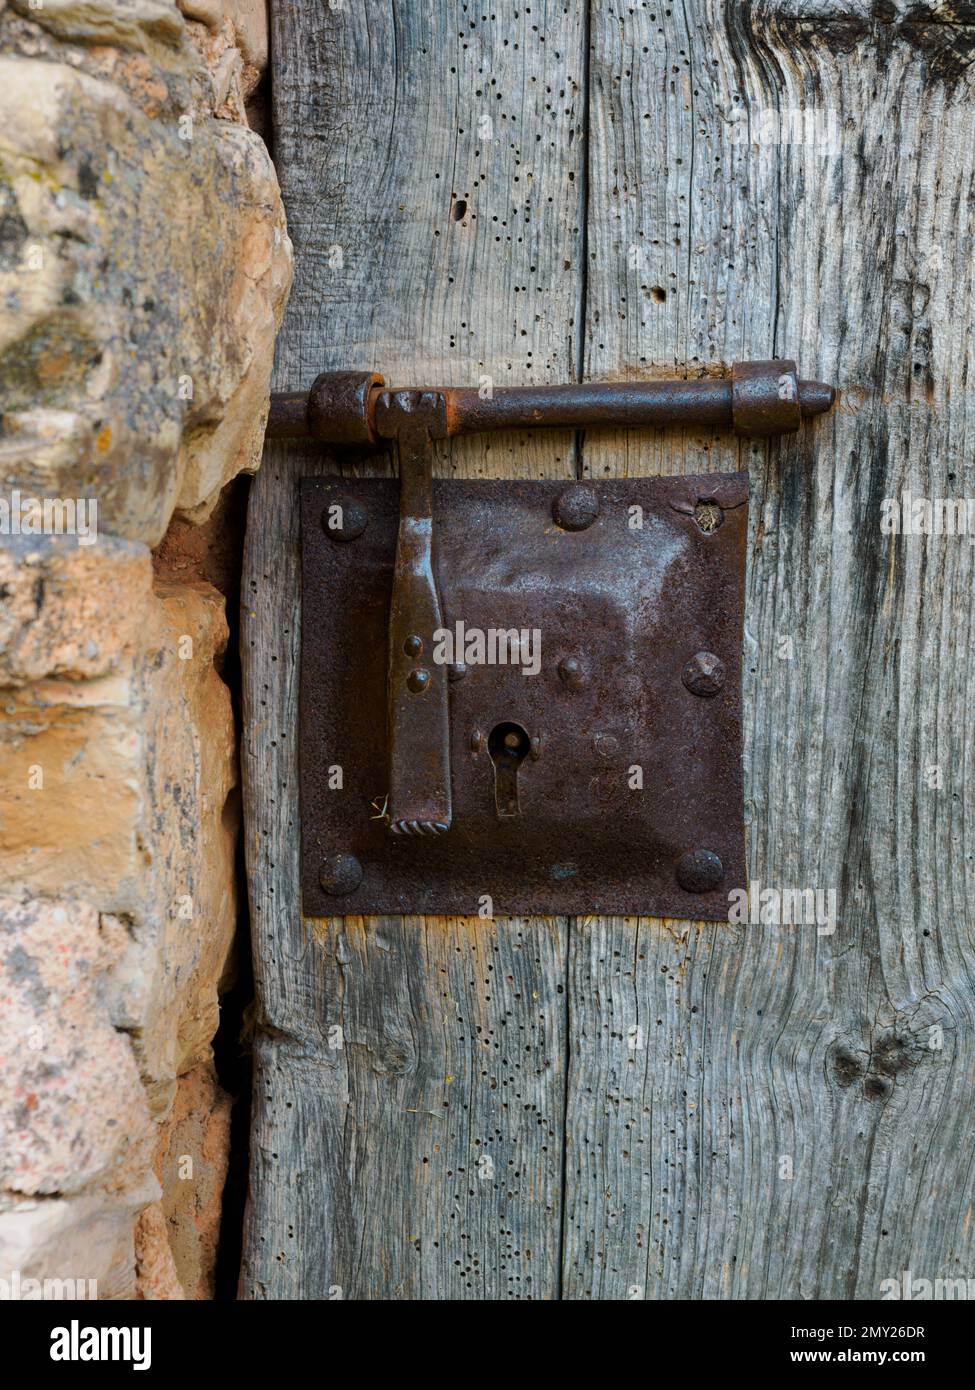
(622, 217)
(766, 1051)
(409, 1098)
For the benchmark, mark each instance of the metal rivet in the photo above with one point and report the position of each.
(699, 870)
(704, 674)
(344, 519)
(576, 507)
(536, 747)
(413, 645)
(456, 671)
(477, 740)
(418, 680)
(340, 874)
(571, 674)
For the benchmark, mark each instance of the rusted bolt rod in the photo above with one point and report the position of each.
(704, 402)
(757, 399)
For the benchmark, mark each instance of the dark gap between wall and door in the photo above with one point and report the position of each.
(212, 553)
(232, 1046)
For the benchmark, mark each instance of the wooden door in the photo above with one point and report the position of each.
(608, 1108)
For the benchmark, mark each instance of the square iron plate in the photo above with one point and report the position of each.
(631, 603)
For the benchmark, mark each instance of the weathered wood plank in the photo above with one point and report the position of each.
(767, 1050)
(704, 1061)
(422, 1157)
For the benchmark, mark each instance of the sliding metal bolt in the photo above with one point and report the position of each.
(354, 408)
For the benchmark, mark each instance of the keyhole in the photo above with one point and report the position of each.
(508, 745)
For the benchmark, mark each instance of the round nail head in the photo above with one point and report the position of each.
(704, 674)
(699, 871)
(571, 673)
(344, 519)
(576, 507)
(340, 874)
(456, 671)
(418, 680)
(413, 646)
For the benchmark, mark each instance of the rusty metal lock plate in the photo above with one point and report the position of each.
(608, 782)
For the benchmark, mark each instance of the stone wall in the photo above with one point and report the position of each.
(144, 266)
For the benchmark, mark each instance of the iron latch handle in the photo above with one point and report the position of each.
(419, 801)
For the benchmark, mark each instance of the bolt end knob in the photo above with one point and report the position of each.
(815, 397)
(767, 398)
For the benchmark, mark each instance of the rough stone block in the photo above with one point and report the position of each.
(144, 265)
(191, 1164)
(73, 1112)
(155, 1267)
(88, 1241)
(121, 790)
(69, 610)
